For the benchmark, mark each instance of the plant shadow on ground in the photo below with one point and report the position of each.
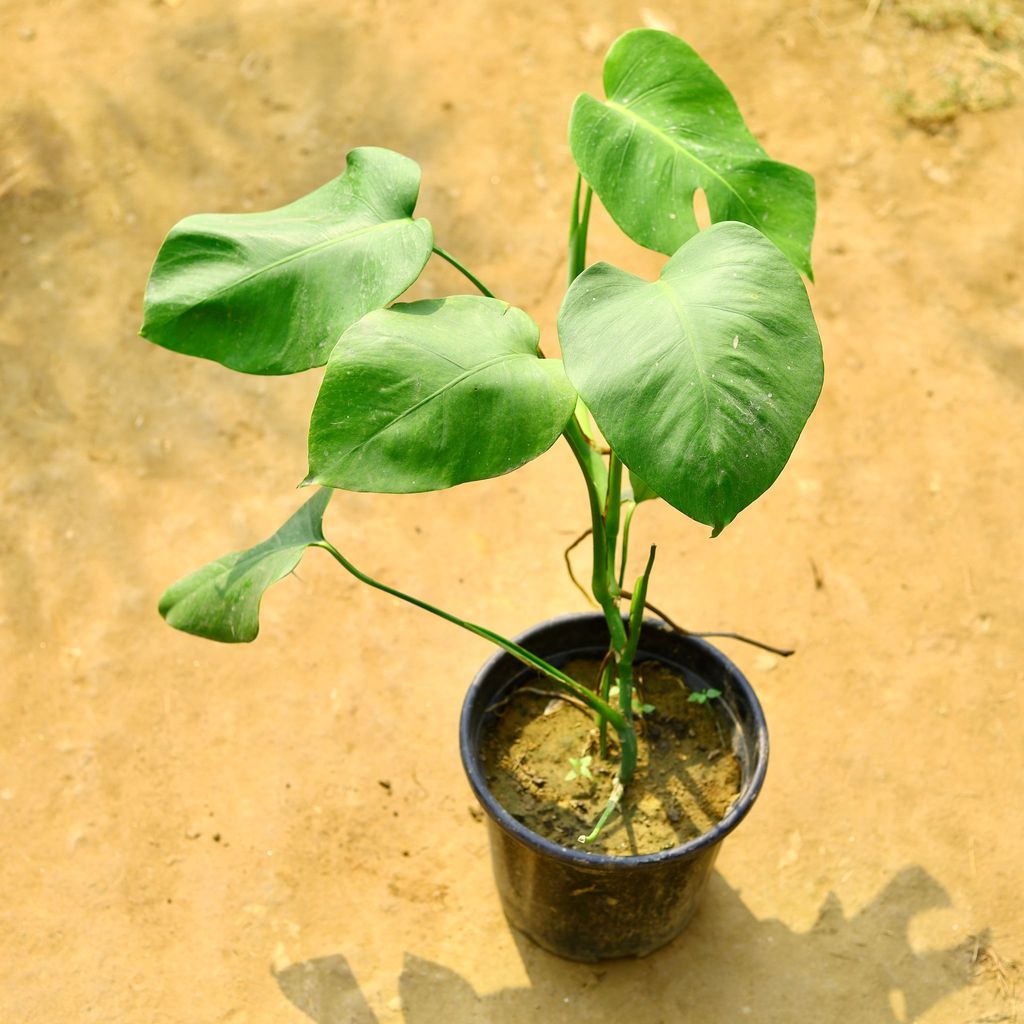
(728, 965)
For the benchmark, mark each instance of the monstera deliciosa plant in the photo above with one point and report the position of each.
(699, 382)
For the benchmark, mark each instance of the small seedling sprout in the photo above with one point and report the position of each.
(703, 696)
(580, 768)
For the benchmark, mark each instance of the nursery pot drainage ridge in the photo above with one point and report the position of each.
(591, 906)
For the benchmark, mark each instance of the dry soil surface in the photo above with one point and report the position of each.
(191, 832)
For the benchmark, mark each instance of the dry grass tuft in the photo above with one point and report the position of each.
(970, 59)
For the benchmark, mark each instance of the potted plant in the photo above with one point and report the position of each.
(692, 389)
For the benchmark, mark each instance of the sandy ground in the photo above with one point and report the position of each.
(191, 832)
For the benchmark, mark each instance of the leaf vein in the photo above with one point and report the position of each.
(436, 394)
(655, 130)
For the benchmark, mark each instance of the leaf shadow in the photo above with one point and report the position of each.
(326, 991)
(729, 965)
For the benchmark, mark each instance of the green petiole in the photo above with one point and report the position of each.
(626, 736)
(464, 271)
(613, 802)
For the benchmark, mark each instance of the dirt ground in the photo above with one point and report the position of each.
(191, 832)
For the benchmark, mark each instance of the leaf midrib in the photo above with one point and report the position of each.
(251, 558)
(308, 251)
(436, 394)
(688, 334)
(655, 130)
(276, 544)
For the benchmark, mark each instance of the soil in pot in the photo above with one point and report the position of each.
(687, 776)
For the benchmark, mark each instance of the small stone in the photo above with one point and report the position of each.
(595, 37)
(253, 65)
(937, 173)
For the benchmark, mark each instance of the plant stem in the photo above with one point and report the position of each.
(464, 271)
(589, 458)
(627, 738)
(604, 588)
(599, 582)
(638, 601)
(578, 228)
(613, 802)
(625, 544)
(604, 682)
(612, 511)
(636, 622)
(604, 492)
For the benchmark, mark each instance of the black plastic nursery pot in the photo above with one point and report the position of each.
(591, 906)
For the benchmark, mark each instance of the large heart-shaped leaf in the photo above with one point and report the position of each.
(221, 601)
(429, 394)
(272, 292)
(702, 380)
(669, 127)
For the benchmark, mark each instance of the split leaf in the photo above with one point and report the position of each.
(670, 126)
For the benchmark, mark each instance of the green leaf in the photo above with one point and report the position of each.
(703, 696)
(221, 601)
(639, 490)
(702, 380)
(669, 127)
(272, 292)
(430, 394)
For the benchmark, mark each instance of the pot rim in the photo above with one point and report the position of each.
(604, 861)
